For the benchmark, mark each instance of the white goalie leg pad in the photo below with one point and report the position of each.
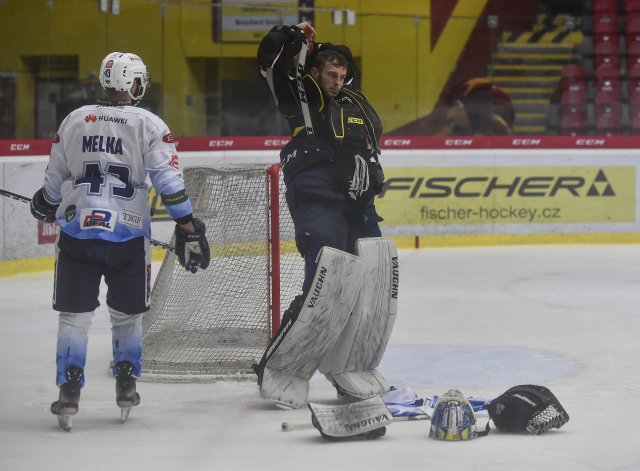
(294, 355)
(351, 364)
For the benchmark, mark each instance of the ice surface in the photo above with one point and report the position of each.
(477, 319)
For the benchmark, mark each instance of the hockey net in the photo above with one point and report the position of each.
(217, 322)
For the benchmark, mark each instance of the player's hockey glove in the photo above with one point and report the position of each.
(192, 249)
(41, 208)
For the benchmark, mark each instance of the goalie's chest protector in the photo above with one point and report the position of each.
(353, 124)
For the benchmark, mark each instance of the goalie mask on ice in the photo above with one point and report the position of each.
(453, 418)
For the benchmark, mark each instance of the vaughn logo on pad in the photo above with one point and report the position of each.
(94, 218)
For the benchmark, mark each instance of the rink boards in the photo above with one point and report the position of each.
(439, 192)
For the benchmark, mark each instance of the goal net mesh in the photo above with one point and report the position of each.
(218, 321)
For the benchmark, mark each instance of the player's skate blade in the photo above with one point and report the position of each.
(124, 414)
(69, 398)
(64, 413)
(126, 396)
(126, 404)
(65, 422)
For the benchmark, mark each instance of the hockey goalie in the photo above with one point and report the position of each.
(341, 323)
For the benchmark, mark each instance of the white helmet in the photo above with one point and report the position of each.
(119, 71)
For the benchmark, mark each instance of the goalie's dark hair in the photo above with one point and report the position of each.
(329, 57)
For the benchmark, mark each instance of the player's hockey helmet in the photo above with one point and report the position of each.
(119, 71)
(453, 418)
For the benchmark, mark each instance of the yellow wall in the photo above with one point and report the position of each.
(400, 73)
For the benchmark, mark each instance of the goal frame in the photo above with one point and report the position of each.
(188, 341)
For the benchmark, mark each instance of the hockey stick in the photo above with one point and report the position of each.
(24, 199)
(298, 427)
(304, 104)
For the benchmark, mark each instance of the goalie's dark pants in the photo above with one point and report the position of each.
(323, 216)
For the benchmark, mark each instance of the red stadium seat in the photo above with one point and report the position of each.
(573, 125)
(634, 79)
(606, 38)
(605, 22)
(608, 85)
(632, 35)
(630, 39)
(581, 87)
(635, 121)
(631, 6)
(605, 6)
(633, 54)
(633, 26)
(634, 103)
(574, 71)
(573, 102)
(573, 75)
(607, 72)
(629, 18)
(609, 124)
(607, 53)
(608, 101)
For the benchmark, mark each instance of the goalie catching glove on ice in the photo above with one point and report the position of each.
(527, 407)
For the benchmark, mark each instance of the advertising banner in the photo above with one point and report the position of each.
(507, 195)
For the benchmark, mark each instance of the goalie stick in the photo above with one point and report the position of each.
(300, 426)
(24, 199)
(366, 419)
(302, 94)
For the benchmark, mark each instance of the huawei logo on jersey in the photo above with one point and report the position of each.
(174, 161)
(168, 138)
(90, 118)
(56, 139)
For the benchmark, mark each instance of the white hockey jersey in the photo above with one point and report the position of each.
(99, 162)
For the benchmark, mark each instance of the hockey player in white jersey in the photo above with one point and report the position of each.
(95, 187)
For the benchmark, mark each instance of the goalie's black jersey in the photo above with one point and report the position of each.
(348, 122)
